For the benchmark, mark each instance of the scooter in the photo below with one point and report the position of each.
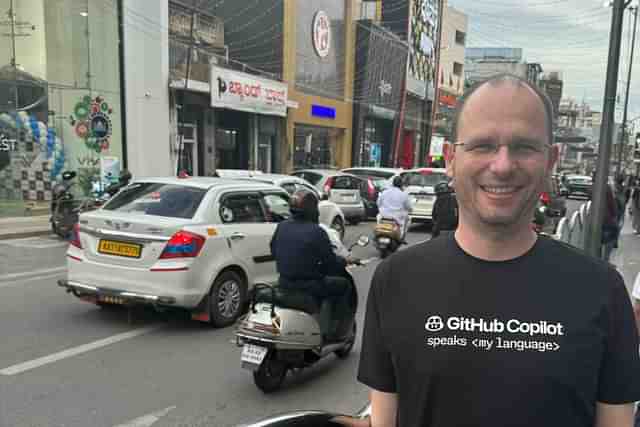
(387, 236)
(282, 331)
(63, 206)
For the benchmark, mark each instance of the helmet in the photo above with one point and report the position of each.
(442, 187)
(304, 205)
(398, 181)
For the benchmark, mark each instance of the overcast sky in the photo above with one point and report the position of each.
(571, 36)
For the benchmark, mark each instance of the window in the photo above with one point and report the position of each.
(150, 198)
(426, 179)
(457, 68)
(461, 37)
(277, 207)
(301, 186)
(242, 208)
(289, 187)
(311, 177)
(345, 183)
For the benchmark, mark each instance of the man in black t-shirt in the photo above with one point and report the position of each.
(495, 325)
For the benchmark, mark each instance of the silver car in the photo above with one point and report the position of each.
(420, 184)
(342, 189)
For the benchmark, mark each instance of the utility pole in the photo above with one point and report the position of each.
(594, 226)
(624, 133)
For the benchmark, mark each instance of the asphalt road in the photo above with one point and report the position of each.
(67, 363)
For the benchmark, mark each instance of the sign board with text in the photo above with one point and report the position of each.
(245, 92)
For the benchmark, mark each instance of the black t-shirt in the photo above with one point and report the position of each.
(533, 341)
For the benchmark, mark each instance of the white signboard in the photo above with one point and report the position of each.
(321, 32)
(245, 92)
(437, 142)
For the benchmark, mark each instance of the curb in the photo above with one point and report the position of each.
(24, 234)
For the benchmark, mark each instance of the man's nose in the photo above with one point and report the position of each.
(502, 163)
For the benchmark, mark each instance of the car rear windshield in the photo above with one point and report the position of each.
(586, 181)
(151, 198)
(424, 179)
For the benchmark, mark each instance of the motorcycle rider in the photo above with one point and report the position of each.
(394, 203)
(445, 210)
(306, 262)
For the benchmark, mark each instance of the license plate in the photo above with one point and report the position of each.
(129, 250)
(349, 198)
(110, 300)
(253, 354)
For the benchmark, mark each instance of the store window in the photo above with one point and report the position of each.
(457, 68)
(59, 99)
(315, 146)
(461, 37)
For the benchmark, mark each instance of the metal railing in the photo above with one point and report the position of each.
(573, 230)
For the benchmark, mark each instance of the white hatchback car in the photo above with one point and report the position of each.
(420, 184)
(193, 243)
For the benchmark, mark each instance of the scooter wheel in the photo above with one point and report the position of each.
(270, 375)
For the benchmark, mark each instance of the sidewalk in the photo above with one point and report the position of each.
(627, 257)
(28, 226)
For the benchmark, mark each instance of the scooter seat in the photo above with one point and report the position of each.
(287, 298)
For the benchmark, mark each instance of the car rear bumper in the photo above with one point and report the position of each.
(114, 296)
(352, 211)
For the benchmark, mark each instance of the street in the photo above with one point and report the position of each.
(67, 363)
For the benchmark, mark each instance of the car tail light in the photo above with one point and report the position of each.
(183, 244)
(371, 189)
(544, 198)
(328, 185)
(75, 236)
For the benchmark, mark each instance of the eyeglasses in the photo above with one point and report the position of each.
(522, 150)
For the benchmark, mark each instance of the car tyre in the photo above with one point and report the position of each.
(338, 225)
(271, 373)
(227, 299)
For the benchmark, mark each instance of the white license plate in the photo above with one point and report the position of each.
(253, 354)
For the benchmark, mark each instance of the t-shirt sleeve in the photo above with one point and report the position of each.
(376, 368)
(620, 368)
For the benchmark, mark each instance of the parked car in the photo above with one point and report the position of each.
(330, 213)
(375, 181)
(420, 184)
(342, 189)
(553, 199)
(197, 244)
(579, 185)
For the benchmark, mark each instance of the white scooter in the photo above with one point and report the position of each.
(282, 328)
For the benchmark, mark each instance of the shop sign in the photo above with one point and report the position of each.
(245, 92)
(323, 112)
(437, 144)
(321, 33)
(448, 99)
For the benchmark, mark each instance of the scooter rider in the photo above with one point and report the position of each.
(306, 262)
(445, 210)
(394, 203)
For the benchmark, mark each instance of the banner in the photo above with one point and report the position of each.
(244, 92)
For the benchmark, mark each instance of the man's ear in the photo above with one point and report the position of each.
(449, 157)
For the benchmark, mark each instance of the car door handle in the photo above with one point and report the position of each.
(237, 236)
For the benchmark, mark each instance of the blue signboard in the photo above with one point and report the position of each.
(323, 112)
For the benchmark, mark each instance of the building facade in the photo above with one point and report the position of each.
(61, 99)
(552, 84)
(484, 62)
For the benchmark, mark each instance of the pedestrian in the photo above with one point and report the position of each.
(445, 210)
(481, 328)
(635, 207)
(610, 224)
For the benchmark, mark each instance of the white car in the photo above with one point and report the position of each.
(420, 184)
(192, 243)
(330, 213)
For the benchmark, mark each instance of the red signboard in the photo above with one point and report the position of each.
(448, 99)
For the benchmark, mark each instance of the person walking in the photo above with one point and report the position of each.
(481, 328)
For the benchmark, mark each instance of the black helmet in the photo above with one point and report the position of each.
(304, 205)
(398, 181)
(442, 187)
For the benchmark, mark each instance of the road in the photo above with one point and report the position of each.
(67, 363)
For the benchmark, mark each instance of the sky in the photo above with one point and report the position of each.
(571, 36)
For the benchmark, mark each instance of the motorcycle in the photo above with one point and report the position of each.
(63, 206)
(282, 328)
(387, 236)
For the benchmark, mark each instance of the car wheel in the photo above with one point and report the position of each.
(270, 375)
(226, 299)
(338, 225)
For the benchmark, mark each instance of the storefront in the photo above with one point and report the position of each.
(60, 99)
(381, 57)
(320, 119)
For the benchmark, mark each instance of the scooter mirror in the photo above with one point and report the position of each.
(363, 240)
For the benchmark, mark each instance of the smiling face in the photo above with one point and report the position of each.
(500, 190)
